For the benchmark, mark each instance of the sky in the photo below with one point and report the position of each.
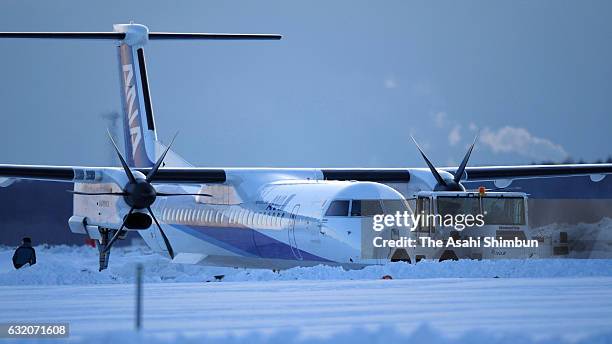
(346, 87)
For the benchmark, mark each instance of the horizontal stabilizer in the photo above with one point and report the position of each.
(152, 35)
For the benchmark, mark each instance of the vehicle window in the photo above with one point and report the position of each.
(338, 208)
(458, 205)
(423, 205)
(423, 208)
(503, 211)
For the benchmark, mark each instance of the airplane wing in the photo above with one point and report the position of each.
(402, 175)
(75, 173)
(196, 175)
(532, 171)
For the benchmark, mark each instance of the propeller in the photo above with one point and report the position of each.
(139, 194)
(448, 184)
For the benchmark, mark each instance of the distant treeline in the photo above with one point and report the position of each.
(572, 161)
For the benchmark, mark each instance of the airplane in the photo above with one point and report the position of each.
(274, 218)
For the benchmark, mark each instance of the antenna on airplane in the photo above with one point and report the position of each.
(113, 124)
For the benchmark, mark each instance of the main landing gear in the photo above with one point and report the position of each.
(104, 245)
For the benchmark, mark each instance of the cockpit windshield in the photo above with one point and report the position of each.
(366, 207)
(392, 206)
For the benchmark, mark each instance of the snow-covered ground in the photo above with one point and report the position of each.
(551, 301)
(79, 265)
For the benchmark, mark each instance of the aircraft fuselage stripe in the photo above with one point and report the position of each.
(247, 242)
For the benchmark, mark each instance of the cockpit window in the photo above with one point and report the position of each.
(366, 208)
(356, 208)
(338, 208)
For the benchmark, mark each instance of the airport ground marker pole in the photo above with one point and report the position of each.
(139, 270)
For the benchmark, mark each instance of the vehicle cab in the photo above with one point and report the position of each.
(499, 215)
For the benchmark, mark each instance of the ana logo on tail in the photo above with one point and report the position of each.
(130, 97)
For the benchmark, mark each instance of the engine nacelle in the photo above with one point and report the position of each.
(138, 221)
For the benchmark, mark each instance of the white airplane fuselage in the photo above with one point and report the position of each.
(261, 217)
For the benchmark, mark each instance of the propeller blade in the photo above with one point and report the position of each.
(160, 161)
(126, 168)
(182, 194)
(116, 236)
(166, 241)
(429, 164)
(97, 193)
(461, 168)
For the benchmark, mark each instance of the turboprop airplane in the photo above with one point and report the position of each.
(244, 217)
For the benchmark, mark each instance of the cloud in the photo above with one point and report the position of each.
(440, 119)
(390, 82)
(520, 141)
(454, 136)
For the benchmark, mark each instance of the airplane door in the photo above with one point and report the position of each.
(291, 233)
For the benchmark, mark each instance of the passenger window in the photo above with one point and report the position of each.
(338, 208)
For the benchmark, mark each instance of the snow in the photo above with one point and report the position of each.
(570, 308)
(66, 265)
(542, 301)
(384, 335)
(587, 240)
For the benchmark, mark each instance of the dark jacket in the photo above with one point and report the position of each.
(24, 254)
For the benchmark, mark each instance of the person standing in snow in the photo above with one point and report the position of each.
(24, 254)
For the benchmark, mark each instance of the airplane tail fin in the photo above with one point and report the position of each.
(141, 144)
(138, 121)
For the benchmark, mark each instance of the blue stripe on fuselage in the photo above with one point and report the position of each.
(247, 242)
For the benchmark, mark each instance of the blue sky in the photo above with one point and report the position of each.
(346, 87)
